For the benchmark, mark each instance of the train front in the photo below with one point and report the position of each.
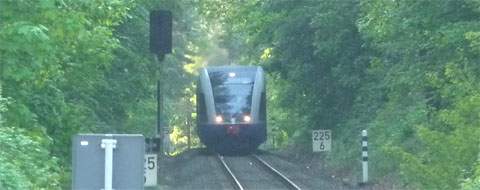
(231, 109)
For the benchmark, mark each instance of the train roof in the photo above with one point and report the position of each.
(232, 68)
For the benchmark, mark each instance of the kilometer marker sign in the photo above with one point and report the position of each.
(151, 169)
(321, 140)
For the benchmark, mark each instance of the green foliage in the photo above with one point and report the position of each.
(52, 69)
(429, 122)
(73, 67)
(299, 43)
(473, 182)
(25, 161)
(405, 70)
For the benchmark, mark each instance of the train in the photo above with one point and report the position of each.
(231, 109)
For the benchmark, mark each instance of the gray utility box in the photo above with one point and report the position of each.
(91, 171)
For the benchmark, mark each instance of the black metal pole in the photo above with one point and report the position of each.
(159, 131)
(159, 112)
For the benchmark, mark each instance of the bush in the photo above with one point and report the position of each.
(25, 162)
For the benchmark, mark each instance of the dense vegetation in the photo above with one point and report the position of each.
(71, 67)
(405, 70)
(408, 71)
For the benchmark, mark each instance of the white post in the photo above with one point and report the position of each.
(108, 145)
(364, 156)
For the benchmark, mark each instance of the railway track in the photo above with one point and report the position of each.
(252, 172)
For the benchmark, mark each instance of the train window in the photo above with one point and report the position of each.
(233, 99)
(223, 77)
(263, 107)
(201, 110)
(232, 94)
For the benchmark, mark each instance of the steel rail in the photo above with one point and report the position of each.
(284, 178)
(236, 183)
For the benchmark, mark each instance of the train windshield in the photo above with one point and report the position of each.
(232, 99)
(232, 93)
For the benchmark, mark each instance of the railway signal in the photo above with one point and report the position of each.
(161, 32)
(160, 44)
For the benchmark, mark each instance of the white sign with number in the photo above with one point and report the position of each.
(151, 169)
(321, 140)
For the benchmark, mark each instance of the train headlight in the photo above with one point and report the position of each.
(218, 119)
(247, 118)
